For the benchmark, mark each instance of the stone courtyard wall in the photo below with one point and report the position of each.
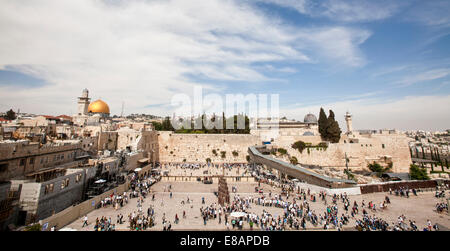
(382, 148)
(174, 147)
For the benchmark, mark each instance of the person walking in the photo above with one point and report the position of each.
(85, 221)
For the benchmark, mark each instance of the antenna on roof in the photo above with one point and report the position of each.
(123, 104)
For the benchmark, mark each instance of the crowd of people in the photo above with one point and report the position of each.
(295, 203)
(441, 207)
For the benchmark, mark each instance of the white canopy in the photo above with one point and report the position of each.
(138, 169)
(238, 214)
(67, 229)
(100, 181)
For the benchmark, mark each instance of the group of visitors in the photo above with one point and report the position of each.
(138, 221)
(441, 207)
(404, 191)
(104, 224)
(115, 200)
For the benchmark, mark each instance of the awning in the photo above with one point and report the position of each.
(238, 214)
(67, 229)
(137, 169)
(400, 176)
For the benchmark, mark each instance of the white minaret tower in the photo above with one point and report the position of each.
(348, 119)
(83, 102)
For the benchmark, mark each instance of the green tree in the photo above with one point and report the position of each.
(282, 151)
(417, 173)
(333, 132)
(294, 160)
(157, 125)
(299, 145)
(10, 115)
(377, 168)
(322, 123)
(167, 125)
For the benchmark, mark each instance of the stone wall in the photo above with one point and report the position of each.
(174, 147)
(380, 148)
(107, 141)
(132, 160)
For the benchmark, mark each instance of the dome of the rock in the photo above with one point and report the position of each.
(98, 106)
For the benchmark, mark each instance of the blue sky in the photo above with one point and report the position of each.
(387, 62)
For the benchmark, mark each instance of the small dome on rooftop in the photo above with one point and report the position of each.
(310, 119)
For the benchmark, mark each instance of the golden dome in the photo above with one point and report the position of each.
(98, 106)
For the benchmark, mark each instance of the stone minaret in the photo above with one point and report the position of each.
(83, 102)
(348, 119)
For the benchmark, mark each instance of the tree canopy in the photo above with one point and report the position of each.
(328, 127)
(10, 115)
(417, 173)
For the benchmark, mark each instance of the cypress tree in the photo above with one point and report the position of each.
(333, 130)
(322, 123)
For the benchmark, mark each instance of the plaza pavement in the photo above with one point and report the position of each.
(418, 208)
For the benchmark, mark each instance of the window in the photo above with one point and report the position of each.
(22, 162)
(64, 183)
(48, 188)
(32, 161)
(78, 178)
(3, 167)
(382, 145)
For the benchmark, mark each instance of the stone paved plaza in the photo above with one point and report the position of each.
(418, 208)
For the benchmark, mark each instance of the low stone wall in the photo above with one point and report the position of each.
(318, 189)
(236, 179)
(384, 187)
(73, 213)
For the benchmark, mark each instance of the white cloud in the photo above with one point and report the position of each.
(408, 113)
(140, 52)
(343, 10)
(424, 76)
